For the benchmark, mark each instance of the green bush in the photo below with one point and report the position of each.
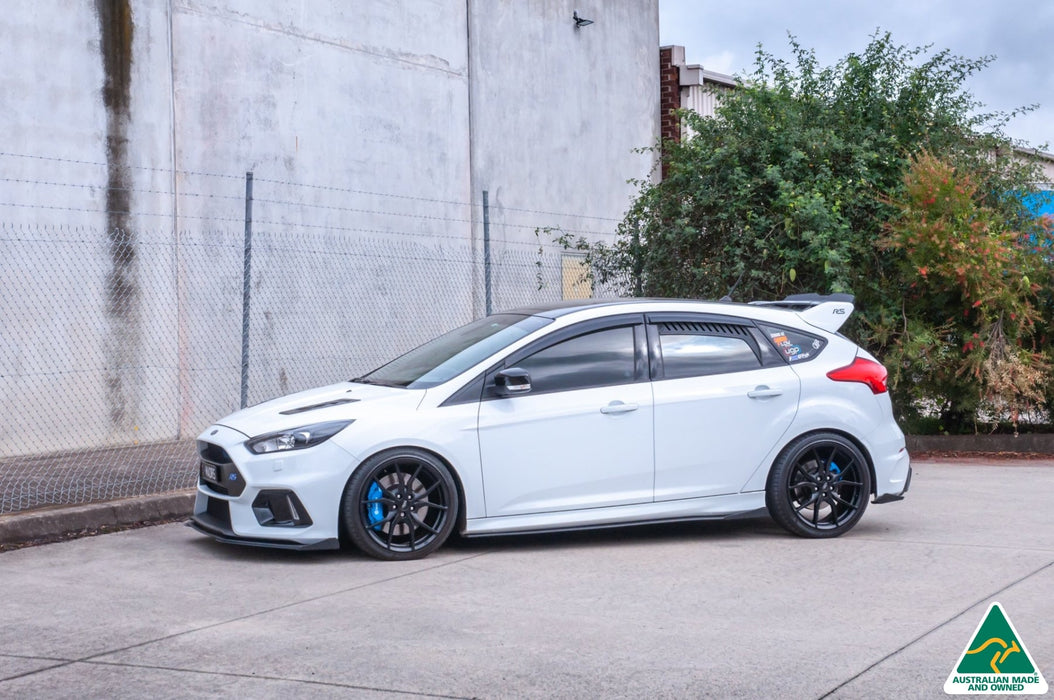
(808, 180)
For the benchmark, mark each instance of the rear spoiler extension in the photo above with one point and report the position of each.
(826, 311)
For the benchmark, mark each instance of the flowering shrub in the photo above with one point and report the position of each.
(973, 310)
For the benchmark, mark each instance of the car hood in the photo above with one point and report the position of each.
(343, 401)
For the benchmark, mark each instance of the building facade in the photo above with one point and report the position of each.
(132, 310)
(684, 86)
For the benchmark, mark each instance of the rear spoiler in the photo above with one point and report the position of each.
(826, 311)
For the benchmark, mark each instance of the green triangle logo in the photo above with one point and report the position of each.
(995, 648)
(996, 661)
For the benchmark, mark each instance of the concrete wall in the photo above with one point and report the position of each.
(557, 112)
(85, 129)
(371, 129)
(322, 104)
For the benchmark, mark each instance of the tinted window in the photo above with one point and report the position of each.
(769, 356)
(595, 359)
(794, 345)
(693, 355)
(452, 353)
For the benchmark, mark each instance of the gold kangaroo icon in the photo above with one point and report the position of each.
(1000, 655)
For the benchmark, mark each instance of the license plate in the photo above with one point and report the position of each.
(209, 472)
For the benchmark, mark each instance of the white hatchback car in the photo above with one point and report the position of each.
(589, 414)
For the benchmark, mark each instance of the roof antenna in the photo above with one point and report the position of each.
(728, 297)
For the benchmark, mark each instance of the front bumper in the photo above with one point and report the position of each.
(215, 521)
(287, 500)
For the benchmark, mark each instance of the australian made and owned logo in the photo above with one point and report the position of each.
(996, 661)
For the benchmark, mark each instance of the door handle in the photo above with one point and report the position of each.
(764, 392)
(619, 407)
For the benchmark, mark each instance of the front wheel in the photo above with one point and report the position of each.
(400, 504)
(819, 486)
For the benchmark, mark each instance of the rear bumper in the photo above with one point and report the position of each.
(890, 497)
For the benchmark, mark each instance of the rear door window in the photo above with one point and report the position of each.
(698, 354)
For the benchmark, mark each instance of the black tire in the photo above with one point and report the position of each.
(819, 486)
(400, 504)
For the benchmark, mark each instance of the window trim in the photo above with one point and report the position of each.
(480, 387)
(640, 374)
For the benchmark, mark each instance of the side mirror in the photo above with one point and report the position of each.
(512, 381)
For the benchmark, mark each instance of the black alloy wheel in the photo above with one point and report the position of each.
(400, 504)
(819, 486)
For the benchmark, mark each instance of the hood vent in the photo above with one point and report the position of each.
(317, 406)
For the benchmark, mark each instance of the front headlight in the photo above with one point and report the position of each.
(296, 438)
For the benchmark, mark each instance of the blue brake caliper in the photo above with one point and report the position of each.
(834, 468)
(375, 510)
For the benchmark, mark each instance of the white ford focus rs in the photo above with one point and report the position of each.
(591, 414)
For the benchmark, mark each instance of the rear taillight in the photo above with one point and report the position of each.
(864, 371)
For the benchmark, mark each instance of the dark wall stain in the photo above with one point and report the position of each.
(115, 32)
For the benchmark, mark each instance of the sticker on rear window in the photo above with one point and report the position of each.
(794, 345)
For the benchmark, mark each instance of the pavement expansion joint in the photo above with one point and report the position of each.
(277, 679)
(938, 626)
(97, 658)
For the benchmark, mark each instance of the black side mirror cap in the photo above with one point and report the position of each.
(512, 381)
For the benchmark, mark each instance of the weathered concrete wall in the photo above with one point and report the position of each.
(85, 128)
(370, 100)
(126, 130)
(557, 112)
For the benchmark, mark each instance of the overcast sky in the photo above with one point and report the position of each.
(722, 35)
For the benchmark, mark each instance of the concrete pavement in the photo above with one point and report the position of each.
(734, 609)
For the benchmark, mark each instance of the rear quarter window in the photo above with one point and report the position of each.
(793, 345)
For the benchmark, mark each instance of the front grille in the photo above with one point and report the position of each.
(213, 453)
(218, 472)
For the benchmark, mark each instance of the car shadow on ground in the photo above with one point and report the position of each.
(600, 537)
(709, 531)
(615, 536)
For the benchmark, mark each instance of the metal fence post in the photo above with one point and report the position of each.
(638, 265)
(246, 285)
(486, 254)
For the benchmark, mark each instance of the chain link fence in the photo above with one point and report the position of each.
(119, 345)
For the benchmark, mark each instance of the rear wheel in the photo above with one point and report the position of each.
(400, 504)
(819, 486)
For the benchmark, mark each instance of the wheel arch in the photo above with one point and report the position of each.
(459, 519)
(818, 431)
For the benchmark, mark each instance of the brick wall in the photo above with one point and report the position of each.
(669, 96)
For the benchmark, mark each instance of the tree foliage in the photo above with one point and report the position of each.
(972, 318)
(815, 179)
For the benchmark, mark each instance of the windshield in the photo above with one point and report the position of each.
(452, 353)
